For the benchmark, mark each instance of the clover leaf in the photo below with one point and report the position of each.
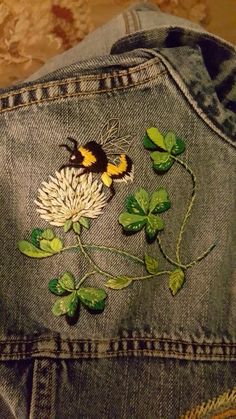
(163, 148)
(36, 236)
(71, 296)
(92, 298)
(43, 244)
(56, 288)
(62, 285)
(66, 305)
(142, 212)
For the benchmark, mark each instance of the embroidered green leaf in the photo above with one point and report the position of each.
(36, 235)
(94, 298)
(48, 234)
(156, 137)
(67, 225)
(132, 222)
(67, 281)
(162, 161)
(65, 305)
(159, 201)
(84, 222)
(142, 199)
(176, 280)
(55, 287)
(170, 141)
(46, 246)
(148, 144)
(133, 206)
(154, 224)
(73, 306)
(118, 283)
(53, 246)
(77, 228)
(151, 264)
(179, 147)
(28, 249)
(56, 244)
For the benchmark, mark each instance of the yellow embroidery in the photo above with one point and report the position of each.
(107, 180)
(228, 414)
(120, 168)
(89, 158)
(223, 407)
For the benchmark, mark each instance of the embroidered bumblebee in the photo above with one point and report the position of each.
(107, 157)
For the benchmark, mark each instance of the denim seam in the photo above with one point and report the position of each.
(135, 20)
(103, 76)
(61, 96)
(130, 22)
(96, 348)
(106, 354)
(42, 389)
(126, 22)
(119, 339)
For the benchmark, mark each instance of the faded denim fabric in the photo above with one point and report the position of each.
(148, 354)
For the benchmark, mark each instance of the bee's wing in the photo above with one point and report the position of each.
(110, 140)
(110, 131)
(119, 145)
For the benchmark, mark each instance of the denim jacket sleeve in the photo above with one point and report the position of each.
(118, 231)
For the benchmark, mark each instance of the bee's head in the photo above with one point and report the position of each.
(76, 157)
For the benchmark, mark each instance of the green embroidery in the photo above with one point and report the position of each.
(72, 201)
(142, 211)
(176, 280)
(167, 147)
(43, 243)
(118, 283)
(151, 265)
(92, 298)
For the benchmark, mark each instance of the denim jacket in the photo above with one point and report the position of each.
(118, 230)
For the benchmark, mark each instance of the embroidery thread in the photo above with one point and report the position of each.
(74, 197)
(95, 157)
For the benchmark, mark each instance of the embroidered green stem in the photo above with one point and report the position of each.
(128, 255)
(114, 250)
(173, 262)
(107, 274)
(140, 278)
(189, 208)
(87, 275)
(191, 264)
(90, 260)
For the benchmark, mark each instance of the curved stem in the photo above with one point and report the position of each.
(139, 278)
(107, 274)
(191, 264)
(90, 260)
(114, 250)
(173, 262)
(84, 278)
(128, 255)
(189, 208)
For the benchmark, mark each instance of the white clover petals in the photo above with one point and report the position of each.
(69, 196)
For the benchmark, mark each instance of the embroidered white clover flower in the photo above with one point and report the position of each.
(70, 197)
